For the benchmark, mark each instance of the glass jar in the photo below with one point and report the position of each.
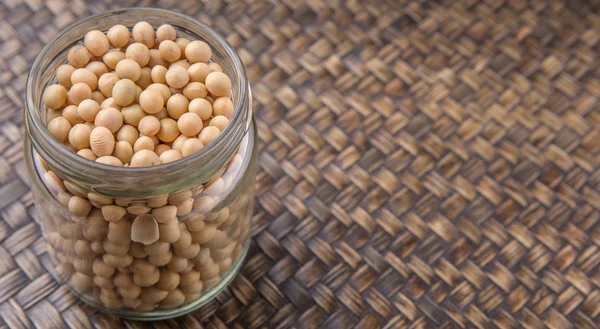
(200, 205)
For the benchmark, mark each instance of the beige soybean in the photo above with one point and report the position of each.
(79, 136)
(182, 43)
(193, 289)
(177, 144)
(127, 133)
(117, 261)
(198, 51)
(177, 264)
(144, 158)
(54, 96)
(123, 151)
(63, 76)
(78, 56)
(144, 33)
(110, 301)
(177, 76)
(123, 280)
(101, 269)
(128, 69)
(96, 42)
(177, 105)
(98, 68)
(124, 92)
(188, 252)
(119, 232)
(132, 114)
(215, 188)
(223, 106)
(138, 208)
(165, 214)
(169, 232)
(98, 96)
(149, 125)
(143, 143)
(137, 250)
(205, 235)
(185, 207)
(130, 292)
(81, 282)
(115, 249)
(198, 72)
(87, 109)
(156, 59)
(145, 78)
(151, 101)
(112, 58)
(170, 51)
(189, 124)
(188, 278)
(157, 248)
(168, 280)
(51, 114)
(88, 154)
(113, 213)
(83, 249)
(191, 146)
(158, 74)
(180, 197)
(153, 295)
(139, 53)
(163, 89)
(173, 299)
(118, 36)
(98, 198)
(160, 260)
(146, 280)
(182, 62)
(107, 82)
(160, 149)
(162, 114)
(102, 141)
(208, 134)
(111, 118)
(195, 223)
(59, 128)
(170, 156)
(144, 229)
(85, 76)
(195, 90)
(201, 107)
(160, 200)
(218, 84)
(165, 32)
(184, 241)
(133, 303)
(168, 130)
(78, 92)
(220, 240)
(214, 67)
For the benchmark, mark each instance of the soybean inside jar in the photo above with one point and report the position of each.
(153, 242)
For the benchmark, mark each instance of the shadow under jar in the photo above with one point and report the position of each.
(201, 205)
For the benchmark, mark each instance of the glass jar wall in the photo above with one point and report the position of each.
(144, 243)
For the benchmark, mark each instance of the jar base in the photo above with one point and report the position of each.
(168, 314)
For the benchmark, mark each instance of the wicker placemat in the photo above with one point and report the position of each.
(423, 165)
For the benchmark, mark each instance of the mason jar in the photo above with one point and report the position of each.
(199, 206)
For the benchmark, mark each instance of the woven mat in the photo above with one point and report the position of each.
(423, 165)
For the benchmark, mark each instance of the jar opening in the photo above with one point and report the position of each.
(190, 170)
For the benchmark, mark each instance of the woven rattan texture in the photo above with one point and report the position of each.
(422, 165)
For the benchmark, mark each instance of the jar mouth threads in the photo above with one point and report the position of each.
(199, 166)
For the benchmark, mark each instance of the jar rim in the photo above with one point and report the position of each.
(43, 141)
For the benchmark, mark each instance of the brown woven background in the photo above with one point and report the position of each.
(423, 165)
